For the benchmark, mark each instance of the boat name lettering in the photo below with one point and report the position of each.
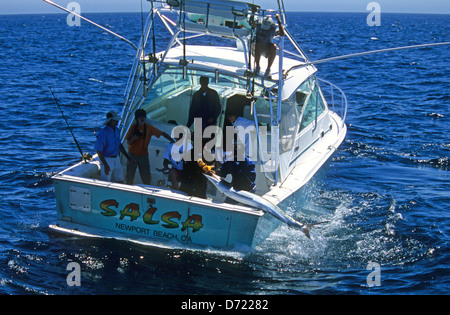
(169, 219)
(154, 233)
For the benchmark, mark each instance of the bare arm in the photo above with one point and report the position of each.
(102, 159)
(124, 152)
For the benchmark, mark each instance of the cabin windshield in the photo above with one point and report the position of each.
(310, 103)
(169, 98)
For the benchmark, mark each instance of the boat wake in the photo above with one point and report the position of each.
(362, 227)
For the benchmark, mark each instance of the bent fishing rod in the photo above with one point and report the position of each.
(83, 156)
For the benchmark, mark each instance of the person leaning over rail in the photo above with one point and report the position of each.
(138, 138)
(108, 147)
(192, 181)
(241, 168)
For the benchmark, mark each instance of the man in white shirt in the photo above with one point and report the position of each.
(246, 133)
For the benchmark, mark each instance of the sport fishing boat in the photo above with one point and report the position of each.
(298, 122)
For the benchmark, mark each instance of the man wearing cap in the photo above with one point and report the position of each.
(108, 147)
(138, 138)
(265, 32)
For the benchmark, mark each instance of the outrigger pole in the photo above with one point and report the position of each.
(315, 62)
(91, 22)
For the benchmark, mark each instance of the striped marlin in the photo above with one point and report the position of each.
(258, 202)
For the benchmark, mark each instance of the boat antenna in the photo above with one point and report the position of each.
(184, 61)
(83, 156)
(251, 83)
(91, 22)
(143, 45)
(315, 62)
(154, 60)
(183, 3)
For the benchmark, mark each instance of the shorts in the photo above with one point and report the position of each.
(116, 173)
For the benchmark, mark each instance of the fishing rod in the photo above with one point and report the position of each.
(85, 157)
(363, 54)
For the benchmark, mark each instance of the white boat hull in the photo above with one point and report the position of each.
(160, 217)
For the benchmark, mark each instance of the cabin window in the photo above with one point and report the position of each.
(170, 80)
(309, 102)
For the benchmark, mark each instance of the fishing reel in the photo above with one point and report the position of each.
(205, 168)
(87, 157)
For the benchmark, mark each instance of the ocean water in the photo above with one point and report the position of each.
(386, 195)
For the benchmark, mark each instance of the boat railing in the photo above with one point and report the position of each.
(141, 74)
(335, 98)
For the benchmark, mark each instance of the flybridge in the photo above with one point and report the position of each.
(225, 8)
(217, 7)
(222, 18)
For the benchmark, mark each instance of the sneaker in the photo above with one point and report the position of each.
(267, 74)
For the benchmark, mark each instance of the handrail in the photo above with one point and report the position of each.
(342, 111)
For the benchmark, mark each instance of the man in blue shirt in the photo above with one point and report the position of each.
(108, 147)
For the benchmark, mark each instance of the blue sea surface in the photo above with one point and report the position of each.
(386, 195)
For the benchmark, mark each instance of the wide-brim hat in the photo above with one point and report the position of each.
(112, 115)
